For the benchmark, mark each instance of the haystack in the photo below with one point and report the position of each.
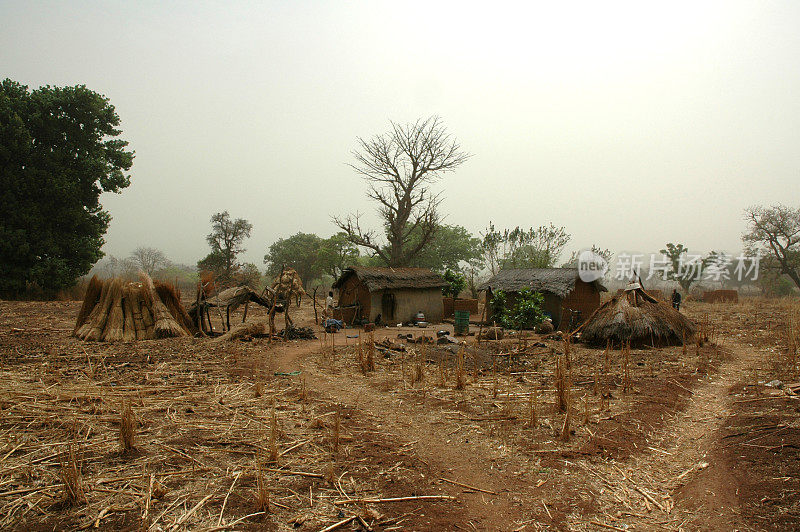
(117, 311)
(636, 317)
(288, 284)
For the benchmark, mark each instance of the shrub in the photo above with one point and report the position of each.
(455, 283)
(525, 313)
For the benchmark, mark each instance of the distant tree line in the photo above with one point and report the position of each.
(60, 150)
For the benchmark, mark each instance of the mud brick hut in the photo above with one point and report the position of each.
(721, 296)
(397, 294)
(567, 299)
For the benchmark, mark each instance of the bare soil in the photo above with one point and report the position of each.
(694, 440)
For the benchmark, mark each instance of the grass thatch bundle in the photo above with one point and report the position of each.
(171, 297)
(93, 291)
(116, 311)
(243, 330)
(112, 332)
(639, 319)
(92, 327)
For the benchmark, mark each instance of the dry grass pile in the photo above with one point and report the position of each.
(243, 330)
(114, 310)
(638, 319)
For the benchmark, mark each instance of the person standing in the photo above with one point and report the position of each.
(676, 300)
(329, 304)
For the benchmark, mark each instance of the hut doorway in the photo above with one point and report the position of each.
(387, 307)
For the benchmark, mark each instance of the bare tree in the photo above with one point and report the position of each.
(399, 168)
(149, 260)
(776, 230)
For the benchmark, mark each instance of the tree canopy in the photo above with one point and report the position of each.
(149, 260)
(684, 268)
(399, 167)
(59, 150)
(523, 248)
(298, 251)
(335, 254)
(451, 247)
(311, 256)
(226, 239)
(775, 232)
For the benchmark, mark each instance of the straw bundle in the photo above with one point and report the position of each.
(637, 318)
(93, 328)
(138, 315)
(93, 292)
(129, 326)
(112, 332)
(115, 311)
(171, 297)
(165, 324)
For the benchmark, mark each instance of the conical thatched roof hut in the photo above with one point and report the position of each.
(636, 317)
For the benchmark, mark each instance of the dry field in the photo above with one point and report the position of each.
(192, 434)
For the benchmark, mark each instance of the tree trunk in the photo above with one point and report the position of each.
(793, 275)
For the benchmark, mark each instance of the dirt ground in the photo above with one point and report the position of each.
(692, 439)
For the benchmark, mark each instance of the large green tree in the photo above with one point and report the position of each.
(684, 268)
(336, 253)
(59, 150)
(450, 248)
(299, 251)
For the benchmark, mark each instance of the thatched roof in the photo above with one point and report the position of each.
(231, 298)
(392, 278)
(558, 281)
(635, 317)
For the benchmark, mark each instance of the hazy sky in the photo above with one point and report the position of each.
(630, 124)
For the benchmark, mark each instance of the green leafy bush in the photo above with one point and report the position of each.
(525, 313)
(455, 283)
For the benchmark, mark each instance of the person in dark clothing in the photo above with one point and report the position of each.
(676, 300)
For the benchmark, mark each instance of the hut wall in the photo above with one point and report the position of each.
(353, 291)
(721, 296)
(407, 302)
(584, 298)
(467, 304)
(553, 307)
(451, 305)
(447, 304)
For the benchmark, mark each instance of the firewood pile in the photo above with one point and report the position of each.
(115, 310)
(297, 333)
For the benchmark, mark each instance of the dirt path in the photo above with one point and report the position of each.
(686, 489)
(413, 423)
(677, 469)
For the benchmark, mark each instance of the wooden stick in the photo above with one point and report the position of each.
(649, 497)
(473, 488)
(234, 523)
(188, 514)
(399, 499)
(298, 473)
(341, 523)
(225, 502)
(603, 525)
